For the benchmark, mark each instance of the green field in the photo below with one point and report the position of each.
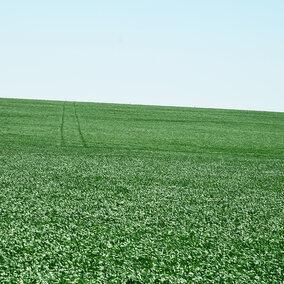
(108, 193)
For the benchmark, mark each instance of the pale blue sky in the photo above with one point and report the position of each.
(202, 53)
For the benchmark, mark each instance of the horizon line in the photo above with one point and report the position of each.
(139, 104)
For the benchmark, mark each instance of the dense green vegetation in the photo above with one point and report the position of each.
(114, 193)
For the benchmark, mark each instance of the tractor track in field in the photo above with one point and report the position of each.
(62, 141)
(79, 127)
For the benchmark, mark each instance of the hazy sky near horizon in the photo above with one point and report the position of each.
(221, 54)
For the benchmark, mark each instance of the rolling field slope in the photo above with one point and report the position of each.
(107, 193)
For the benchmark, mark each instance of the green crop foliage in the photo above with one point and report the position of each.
(108, 193)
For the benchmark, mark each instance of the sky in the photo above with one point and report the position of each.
(202, 53)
